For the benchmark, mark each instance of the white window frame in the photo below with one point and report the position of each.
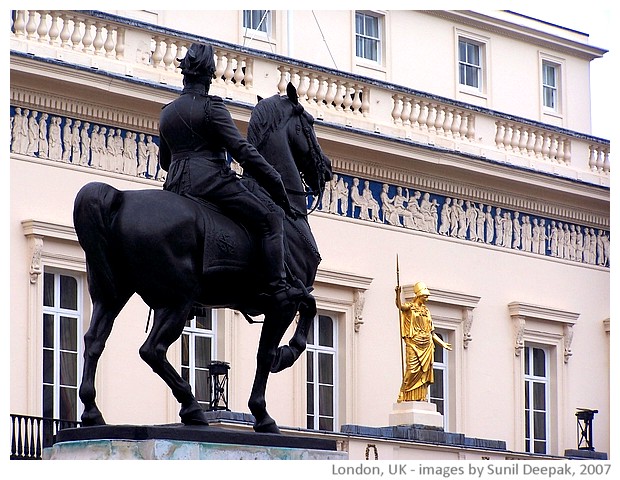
(47, 245)
(265, 22)
(483, 78)
(380, 39)
(559, 65)
(551, 329)
(531, 379)
(315, 350)
(192, 332)
(56, 311)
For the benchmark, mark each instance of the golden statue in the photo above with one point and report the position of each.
(418, 333)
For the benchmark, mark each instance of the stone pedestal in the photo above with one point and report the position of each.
(179, 442)
(416, 413)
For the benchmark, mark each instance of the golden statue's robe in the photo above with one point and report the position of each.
(417, 331)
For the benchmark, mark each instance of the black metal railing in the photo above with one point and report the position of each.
(30, 435)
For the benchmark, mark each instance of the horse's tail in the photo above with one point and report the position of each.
(92, 213)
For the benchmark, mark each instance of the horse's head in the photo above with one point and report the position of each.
(314, 166)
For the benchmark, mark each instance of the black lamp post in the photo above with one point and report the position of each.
(584, 428)
(218, 385)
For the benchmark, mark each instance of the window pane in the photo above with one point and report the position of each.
(68, 333)
(526, 360)
(310, 366)
(440, 404)
(185, 349)
(371, 26)
(539, 396)
(202, 386)
(437, 387)
(326, 424)
(185, 373)
(48, 401)
(310, 398)
(539, 426)
(326, 400)
(204, 322)
(48, 290)
(68, 292)
(359, 23)
(48, 330)
(326, 331)
(326, 368)
(462, 49)
(48, 366)
(540, 447)
(68, 403)
(539, 362)
(68, 368)
(203, 352)
(527, 395)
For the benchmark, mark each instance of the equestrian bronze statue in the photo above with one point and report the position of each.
(178, 248)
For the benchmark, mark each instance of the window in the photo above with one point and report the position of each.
(321, 368)
(550, 85)
(197, 351)
(438, 391)
(259, 20)
(470, 64)
(368, 37)
(62, 334)
(536, 371)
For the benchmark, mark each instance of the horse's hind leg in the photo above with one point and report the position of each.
(95, 338)
(167, 327)
(286, 355)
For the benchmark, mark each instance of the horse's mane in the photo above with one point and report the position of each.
(266, 117)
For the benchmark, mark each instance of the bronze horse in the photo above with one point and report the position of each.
(177, 253)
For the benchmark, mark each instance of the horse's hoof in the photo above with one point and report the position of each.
(193, 415)
(92, 419)
(267, 425)
(285, 358)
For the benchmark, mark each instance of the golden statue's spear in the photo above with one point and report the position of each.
(400, 323)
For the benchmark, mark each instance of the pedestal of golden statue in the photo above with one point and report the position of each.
(416, 413)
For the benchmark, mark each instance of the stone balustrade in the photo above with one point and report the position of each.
(149, 53)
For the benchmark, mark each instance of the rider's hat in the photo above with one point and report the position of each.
(198, 61)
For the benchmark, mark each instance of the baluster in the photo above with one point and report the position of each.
(514, 140)
(599, 159)
(313, 87)
(87, 40)
(42, 29)
(560, 151)
(357, 99)
(415, 113)
(499, 133)
(76, 35)
(120, 43)
(108, 45)
(454, 126)
(440, 113)
(538, 145)
(432, 116)
(157, 55)
(340, 94)
(54, 31)
(98, 40)
(229, 71)
(406, 111)
(330, 94)
(567, 152)
(365, 101)
(168, 57)
(471, 127)
(397, 108)
(65, 33)
(553, 148)
(219, 66)
(283, 81)
(447, 121)
(304, 84)
(531, 141)
(19, 26)
(31, 26)
(348, 100)
(592, 158)
(248, 78)
(606, 165)
(523, 138)
(238, 76)
(507, 135)
(546, 147)
(424, 111)
(463, 126)
(322, 90)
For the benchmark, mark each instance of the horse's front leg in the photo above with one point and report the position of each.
(287, 355)
(273, 329)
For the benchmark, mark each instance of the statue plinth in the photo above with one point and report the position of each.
(416, 413)
(180, 442)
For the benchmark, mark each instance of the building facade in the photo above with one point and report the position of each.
(466, 153)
